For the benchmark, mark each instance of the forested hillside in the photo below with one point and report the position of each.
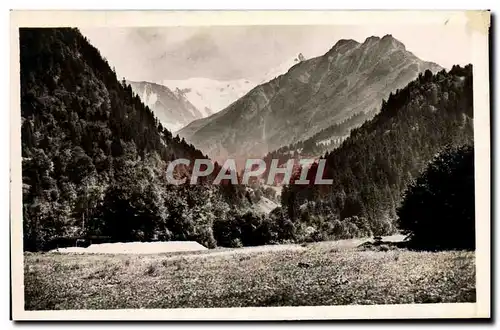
(317, 145)
(376, 163)
(94, 156)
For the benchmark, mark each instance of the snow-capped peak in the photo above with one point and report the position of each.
(210, 95)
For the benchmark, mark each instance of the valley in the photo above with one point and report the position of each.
(391, 136)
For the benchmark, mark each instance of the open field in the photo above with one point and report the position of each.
(327, 273)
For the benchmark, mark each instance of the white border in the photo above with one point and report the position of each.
(155, 18)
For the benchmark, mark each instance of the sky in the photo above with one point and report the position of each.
(242, 52)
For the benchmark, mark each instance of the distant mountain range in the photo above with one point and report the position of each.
(311, 96)
(173, 109)
(210, 96)
(179, 102)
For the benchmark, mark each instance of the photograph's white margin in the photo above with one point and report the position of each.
(477, 23)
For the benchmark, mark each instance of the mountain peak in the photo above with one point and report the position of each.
(344, 43)
(388, 38)
(372, 39)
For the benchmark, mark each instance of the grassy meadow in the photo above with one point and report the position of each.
(327, 273)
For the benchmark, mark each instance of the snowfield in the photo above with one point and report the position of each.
(209, 95)
(136, 248)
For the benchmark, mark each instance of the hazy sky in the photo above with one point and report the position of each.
(232, 52)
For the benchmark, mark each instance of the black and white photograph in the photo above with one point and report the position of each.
(250, 165)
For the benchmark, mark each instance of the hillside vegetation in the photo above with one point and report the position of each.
(320, 143)
(438, 209)
(373, 167)
(94, 156)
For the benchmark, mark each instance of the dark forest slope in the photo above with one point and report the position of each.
(94, 157)
(375, 164)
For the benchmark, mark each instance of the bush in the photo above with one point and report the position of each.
(251, 228)
(235, 243)
(438, 210)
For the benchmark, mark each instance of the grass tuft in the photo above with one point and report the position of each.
(150, 270)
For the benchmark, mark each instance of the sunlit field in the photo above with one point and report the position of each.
(328, 273)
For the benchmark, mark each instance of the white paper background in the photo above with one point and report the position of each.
(144, 4)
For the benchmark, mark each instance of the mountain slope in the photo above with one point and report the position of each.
(373, 167)
(311, 96)
(172, 109)
(317, 145)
